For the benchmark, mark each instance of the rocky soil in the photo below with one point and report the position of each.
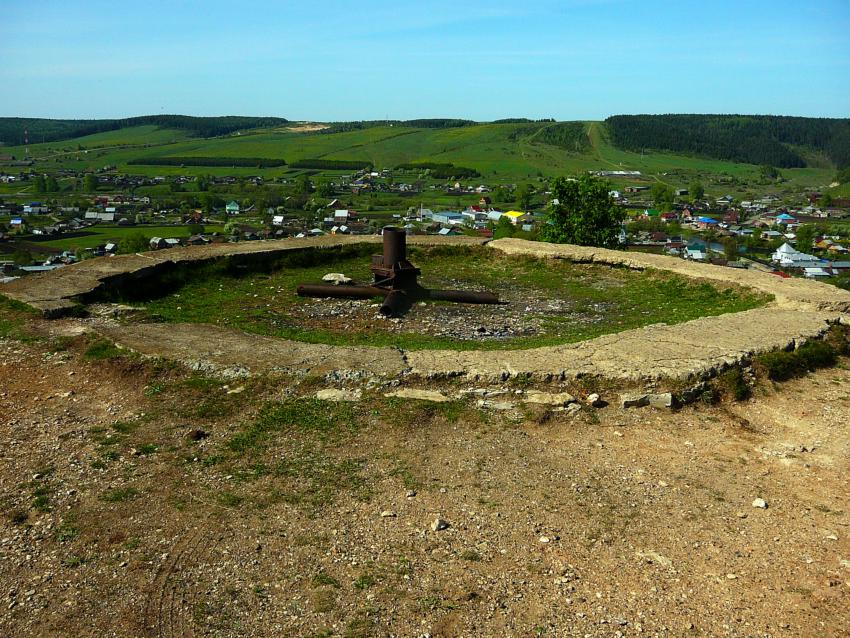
(126, 513)
(519, 316)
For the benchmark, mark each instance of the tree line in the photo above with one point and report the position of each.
(332, 164)
(441, 170)
(247, 162)
(48, 130)
(753, 139)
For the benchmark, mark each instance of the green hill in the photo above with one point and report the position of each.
(754, 139)
(12, 129)
(507, 151)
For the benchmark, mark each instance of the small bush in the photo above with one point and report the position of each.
(733, 385)
(782, 366)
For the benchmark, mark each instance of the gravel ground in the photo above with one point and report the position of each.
(599, 523)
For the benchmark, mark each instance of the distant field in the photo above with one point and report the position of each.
(502, 153)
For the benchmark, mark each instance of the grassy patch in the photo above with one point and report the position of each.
(101, 350)
(120, 495)
(14, 316)
(294, 451)
(591, 300)
(324, 419)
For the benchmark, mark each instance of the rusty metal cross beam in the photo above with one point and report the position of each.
(395, 279)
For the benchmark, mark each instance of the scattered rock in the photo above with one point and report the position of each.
(546, 398)
(439, 525)
(388, 514)
(197, 434)
(652, 556)
(595, 401)
(760, 503)
(410, 493)
(334, 394)
(337, 279)
(633, 400)
(663, 400)
(420, 395)
(238, 390)
(495, 405)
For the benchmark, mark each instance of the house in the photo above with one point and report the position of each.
(813, 272)
(448, 218)
(277, 220)
(157, 242)
(786, 219)
(197, 240)
(705, 222)
(669, 217)
(649, 213)
(111, 248)
(695, 254)
(447, 232)
(231, 208)
(681, 192)
(517, 217)
(343, 216)
(789, 257)
(485, 202)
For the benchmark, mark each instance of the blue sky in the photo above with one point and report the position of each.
(339, 60)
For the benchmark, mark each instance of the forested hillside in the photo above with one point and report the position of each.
(754, 139)
(44, 130)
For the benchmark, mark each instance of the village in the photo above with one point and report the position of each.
(807, 239)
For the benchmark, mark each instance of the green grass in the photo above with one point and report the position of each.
(101, 349)
(614, 299)
(14, 316)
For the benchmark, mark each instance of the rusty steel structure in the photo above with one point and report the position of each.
(395, 279)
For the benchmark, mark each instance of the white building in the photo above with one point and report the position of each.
(789, 257)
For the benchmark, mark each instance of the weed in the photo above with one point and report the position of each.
(75, 560)
(120, 495)
(322, 579)
(148, 448)
(471, 555)
(364, 581)
(101, 349)
(17, 516)
(229, 499)
(732, 384)
(67, 532)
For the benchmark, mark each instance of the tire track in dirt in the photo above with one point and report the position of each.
(165, 609)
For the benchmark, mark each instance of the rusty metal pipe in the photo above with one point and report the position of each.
(463, 296)
(395, 303)
(395, 246)
(344, 292)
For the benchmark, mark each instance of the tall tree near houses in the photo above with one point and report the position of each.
(585, 214)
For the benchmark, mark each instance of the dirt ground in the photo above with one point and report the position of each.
(132, 507)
